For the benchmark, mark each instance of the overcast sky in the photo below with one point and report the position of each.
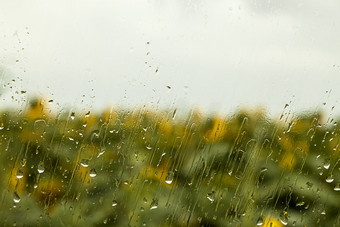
(218, 55)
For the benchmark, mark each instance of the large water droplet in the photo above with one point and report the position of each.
(284, 218)
(154, 204)
(327, 163)
(211, 196)
(16, 197)
(114, 203)
(169, 177)
(87, 114)
(93, 173)
(23, 162)
(84, 162)
(330, 178)
(20, 174)
(41, 167)
(299, 204)
(259, 221)
(100, 153)
(337, 187)
(72, 115)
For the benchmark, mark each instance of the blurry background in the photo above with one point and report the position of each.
(214, 54)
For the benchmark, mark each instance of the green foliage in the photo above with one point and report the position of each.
(142, 167)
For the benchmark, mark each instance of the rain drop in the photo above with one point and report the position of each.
(259, 221)
(23, 162)
(211, 196)
(284, 218)
(114, 203)
(93, 173)
(16, 197)
(154, 204)
(72, 115)
(41, 167)
(337, 187)
(84, 162)
(169, 178)
(299, 204)
(20, 174)
(330, 178)
(87, 114)
(327, 163)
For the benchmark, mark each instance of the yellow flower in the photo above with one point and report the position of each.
(160, 174)
(38, 109)
(17, 179)
(165, 128)
(287, 161)
(272, 223)
(49, 193)
(110, 116)
(217, 132)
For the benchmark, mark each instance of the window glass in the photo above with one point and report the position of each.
(169, 113)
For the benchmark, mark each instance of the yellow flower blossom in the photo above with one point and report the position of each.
(38, 109)
(287, 161)
(217, 132)
(272, 223)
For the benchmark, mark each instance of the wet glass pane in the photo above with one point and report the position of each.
(169, 113)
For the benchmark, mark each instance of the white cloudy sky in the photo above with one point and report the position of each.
(215, 54)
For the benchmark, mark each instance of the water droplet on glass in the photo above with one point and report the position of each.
(93, 173)
(326, 163)
(72, 115)
(84, 162)
(154, 204)
(284, 218)
(41, 167)
(16, 197)
(323, 212)
(174, 114)
(100, 153)
(330, 178)
(87, 114)
(299, 204)
(211, 196)
(337, 187)
(23, 162)
(114, 203)
(20, 174)
(169, 177)
(259, 221)
(309, 185)
(145, 200)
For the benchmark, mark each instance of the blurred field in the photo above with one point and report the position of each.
(142, 167)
